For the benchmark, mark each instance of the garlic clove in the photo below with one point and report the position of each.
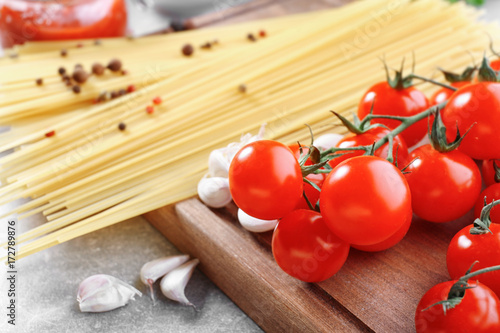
(100, 293)
(214, 191)
(155, 269)
(218, 163)
(173, 284)
(254, 224)
(327, 141)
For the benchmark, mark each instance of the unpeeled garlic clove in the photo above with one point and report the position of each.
(173, 284)
(100, 293)
(218, 163)
(254, 224)
(214, 191)
(155, 269)
(327, 141)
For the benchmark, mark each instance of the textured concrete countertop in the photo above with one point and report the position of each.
(48, 282)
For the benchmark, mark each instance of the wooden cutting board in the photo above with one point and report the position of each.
(372, 292)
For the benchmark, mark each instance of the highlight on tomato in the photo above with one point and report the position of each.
(265, 179)
(454, 80)
(306, 249)
(365, 200)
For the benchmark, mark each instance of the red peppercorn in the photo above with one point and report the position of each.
(262, 33)
(131, 88)
(150, 109)
(157, 100)
(49, 134)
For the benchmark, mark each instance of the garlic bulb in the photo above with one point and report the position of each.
(254, 224)
(173, 284)
(327, 141)
(214, 191)
(153, 270)
(100, 293)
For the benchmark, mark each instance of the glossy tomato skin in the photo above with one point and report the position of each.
(479, 311)
(368, 138)
(475, 104)
(311, 193)
(495, 65)
(396, 102)
(389, 242)
(444, 186)
(491, 193)
(365, 200)
(265, 180)
(306, 249)
(488, 171)
(465, 248)
(444, 94)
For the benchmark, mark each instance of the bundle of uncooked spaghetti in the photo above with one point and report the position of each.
(87, 162)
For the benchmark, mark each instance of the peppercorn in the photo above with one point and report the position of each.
(251, 38)
(187, 50)
(122, 126)
(64, 52)
(98, 69)
(62, 70)
(122, 92)
(242, 88)
(207, 45)
(131, 88)
(79, 45)
(150, 109)
(157, 100)
(177, 26)
(49, 134)
(115, 65)
(80, 76)
(124, 72)
(39, 81)
(76, 89)
(65, 77)
(103, 96)
(114, 94)
(262, 33)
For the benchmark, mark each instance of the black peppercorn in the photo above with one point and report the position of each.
(62, 70)
(122, 126)
(187, 50)
(80, 76)
(98, 69)
(39, 81)
(115, 65)
(76, 89)
(64, 52)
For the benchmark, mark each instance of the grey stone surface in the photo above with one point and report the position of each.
(48, 282)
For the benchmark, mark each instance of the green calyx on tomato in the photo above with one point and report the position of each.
(457, 291)
(438, 136)
(399, 81)
(486, 73)
(482, 224)
(466, 75)
(497, 171)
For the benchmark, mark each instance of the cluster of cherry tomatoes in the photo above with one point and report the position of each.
(363, 190)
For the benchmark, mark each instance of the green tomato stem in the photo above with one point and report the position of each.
(433, 82)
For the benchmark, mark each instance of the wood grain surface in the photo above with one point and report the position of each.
(373, 292)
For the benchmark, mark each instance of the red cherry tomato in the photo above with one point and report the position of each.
(265, 180)
(365, 200)
(495, 65)
(465, 249)
(306, 249)
(479, 105)
(444, 94)
(396, 102)
(368, 138)
(22, 21)
(444, 186)
(296, 151)
(491, 193)
(311, 193)
(389, 242)
(489, 171)
(479, 311)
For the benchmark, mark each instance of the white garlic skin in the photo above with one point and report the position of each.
(218, 163)
(174, 283)
(101, 293)
(254, 224)
(327, 141)
(214, 191)
(155, 269)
